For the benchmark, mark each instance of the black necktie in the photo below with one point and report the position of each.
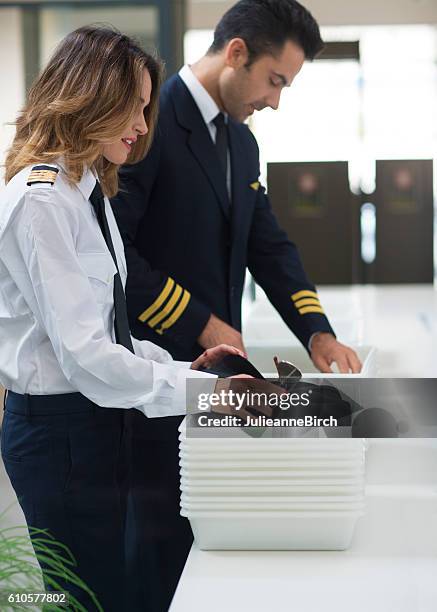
(221, 141)
(121, 322)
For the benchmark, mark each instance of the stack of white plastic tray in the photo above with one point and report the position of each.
(274, 493)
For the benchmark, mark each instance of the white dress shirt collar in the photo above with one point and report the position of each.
(87, 183)
(207, 106)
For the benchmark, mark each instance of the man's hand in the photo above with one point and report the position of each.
(213, 355)
(325, 349)
(217, 332)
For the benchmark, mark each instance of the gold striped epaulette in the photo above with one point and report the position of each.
(42, 174)
(167, 308)
(307, 302)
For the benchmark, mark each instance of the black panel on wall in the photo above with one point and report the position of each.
(314, 205)
(404, 221)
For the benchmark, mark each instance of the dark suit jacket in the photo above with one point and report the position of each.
(188, 246)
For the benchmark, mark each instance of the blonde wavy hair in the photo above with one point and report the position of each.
(86, 95)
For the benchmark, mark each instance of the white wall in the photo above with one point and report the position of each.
(11, 76)
(204, 14)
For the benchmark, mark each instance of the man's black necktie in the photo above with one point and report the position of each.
(221, 141)
(121, 322)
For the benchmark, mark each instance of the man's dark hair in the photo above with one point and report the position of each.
(266, 25)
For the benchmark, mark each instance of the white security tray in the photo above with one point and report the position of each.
(273, 530)
(271, 507)
(187, 452)
(287, 473)
(268, 487)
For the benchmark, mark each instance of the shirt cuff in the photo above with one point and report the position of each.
(310, 341)
(180, 400)
(183, 365)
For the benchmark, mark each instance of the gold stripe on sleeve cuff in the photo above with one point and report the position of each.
(176, 314)
(304, 293)
(158, 302)
(309, 309)
(167, 309)
(307, 302)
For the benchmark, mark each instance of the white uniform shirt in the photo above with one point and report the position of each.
(57, 309)
(208, 109)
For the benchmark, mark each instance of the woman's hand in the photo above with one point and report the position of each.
(213, 355)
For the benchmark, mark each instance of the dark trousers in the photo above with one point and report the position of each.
(68, 461)
(163, 537)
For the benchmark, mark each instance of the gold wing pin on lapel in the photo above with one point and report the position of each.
(255, 185)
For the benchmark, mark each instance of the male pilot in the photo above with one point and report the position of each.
(193, 216)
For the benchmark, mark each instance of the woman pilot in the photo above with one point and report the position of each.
(67, 357)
